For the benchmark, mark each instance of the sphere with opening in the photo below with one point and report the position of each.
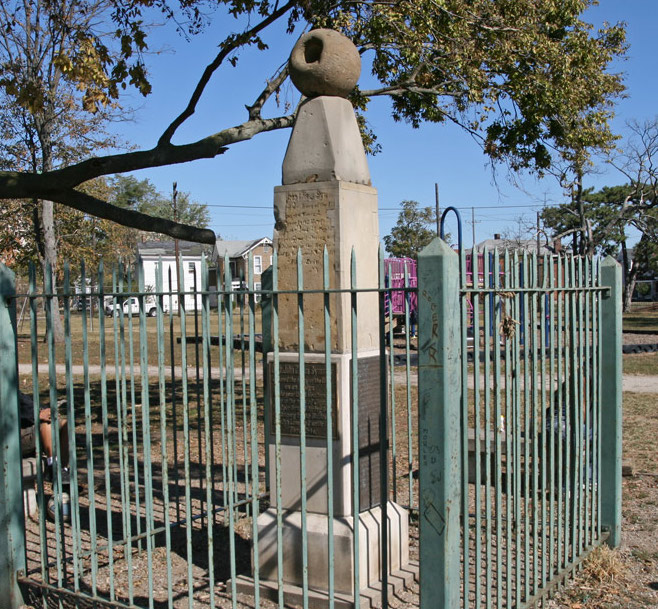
(324, 62)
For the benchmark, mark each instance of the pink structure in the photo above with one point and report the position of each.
(394, 269)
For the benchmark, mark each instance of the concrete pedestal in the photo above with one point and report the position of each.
(369, 372)
(370, 547)
(326, 201)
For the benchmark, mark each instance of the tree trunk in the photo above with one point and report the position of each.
(47, 225)
(630, 271)
(49, 259)
(629, 288)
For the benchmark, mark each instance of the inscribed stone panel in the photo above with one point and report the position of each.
(316, 399)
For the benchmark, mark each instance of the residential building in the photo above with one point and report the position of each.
(502, 243)
(237, 253)
(151, 253)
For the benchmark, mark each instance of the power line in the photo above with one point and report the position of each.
(465, 207)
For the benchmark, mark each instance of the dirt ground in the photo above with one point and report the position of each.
(626, 577)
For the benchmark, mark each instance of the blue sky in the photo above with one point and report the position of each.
(238, 186)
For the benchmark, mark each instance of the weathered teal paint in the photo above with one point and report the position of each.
(439, 428)
(464, 411)
(162, 400)
(355, 427)
(302, 424)
(12, 523)
(611, 400)
(527, 377)
(253, 411)
(330, 431)
(266, 329)
(41, 499)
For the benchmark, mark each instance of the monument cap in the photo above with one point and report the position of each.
(324, 62)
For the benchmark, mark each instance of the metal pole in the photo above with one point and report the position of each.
(473, 224)
(438, 215)
(177, 247)
(611, 401)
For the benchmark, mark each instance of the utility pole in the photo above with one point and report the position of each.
(538, 229)
(473, 224)
(438, 216)
(176, 245)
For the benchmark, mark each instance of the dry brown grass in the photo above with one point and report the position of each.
(627, 576)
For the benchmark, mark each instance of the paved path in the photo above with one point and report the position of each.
(637, 383)
(631, 382)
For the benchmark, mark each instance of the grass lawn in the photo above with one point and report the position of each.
(641, 363)
(127, 338)
(645, 319)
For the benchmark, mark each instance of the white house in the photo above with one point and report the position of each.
(151, 253)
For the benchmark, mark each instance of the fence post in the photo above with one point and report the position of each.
(611, 399)
(266, 311)
(12, 523)
(438, 426)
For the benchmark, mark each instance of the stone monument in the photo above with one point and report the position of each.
(327, 200)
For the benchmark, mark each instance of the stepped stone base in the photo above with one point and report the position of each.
(370, 597)
(370, 568)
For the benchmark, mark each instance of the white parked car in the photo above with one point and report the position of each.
(131, 305)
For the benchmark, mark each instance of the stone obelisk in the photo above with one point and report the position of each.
(327, 200)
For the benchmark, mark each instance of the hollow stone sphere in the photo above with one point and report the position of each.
(324, 62)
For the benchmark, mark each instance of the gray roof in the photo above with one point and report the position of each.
(529, 245)
(168, 248)
(237, 249)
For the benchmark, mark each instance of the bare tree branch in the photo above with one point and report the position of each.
(566, 233)
(131, 218)
(233, 43)
(19, 185)
(272, 85)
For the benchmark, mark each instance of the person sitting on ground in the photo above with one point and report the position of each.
(28, 439)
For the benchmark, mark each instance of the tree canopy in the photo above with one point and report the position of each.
(529, 79)
(414, 229)
(601, 220)
(83, 237)
(141, 195)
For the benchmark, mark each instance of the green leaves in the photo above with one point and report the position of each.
(412, 232)
(510, 70)
(141, 195)
(528, 79)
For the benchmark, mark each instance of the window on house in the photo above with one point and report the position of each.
(190, 267)
(257, 286)
(258, 265)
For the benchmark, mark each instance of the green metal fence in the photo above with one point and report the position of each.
(166, 424)
(167, 419)
(525, 353)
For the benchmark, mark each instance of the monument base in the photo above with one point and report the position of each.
(369, 562)
(370, 597)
